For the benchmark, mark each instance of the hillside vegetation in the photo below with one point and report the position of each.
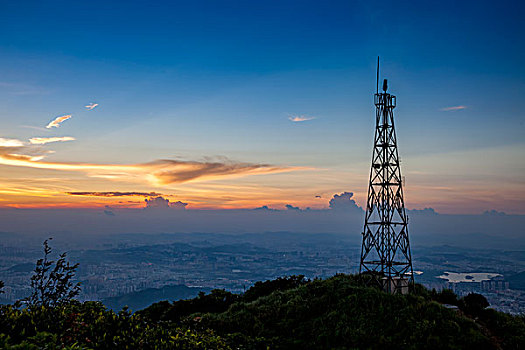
(144, 298)
(286, 313)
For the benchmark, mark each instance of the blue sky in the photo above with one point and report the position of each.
(181, 80)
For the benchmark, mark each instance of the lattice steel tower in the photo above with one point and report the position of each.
(385, 252)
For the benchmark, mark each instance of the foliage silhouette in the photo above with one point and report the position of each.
(261, 289)
(217, 301)
(51, 283)
(473, 304)
(90, 325)
(445, 296)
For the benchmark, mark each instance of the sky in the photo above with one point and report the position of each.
(238, 105)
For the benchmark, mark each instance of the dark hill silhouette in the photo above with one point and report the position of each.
(339, 313)
(144, 298)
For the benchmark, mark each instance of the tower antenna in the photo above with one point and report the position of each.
(385, 252)
(377, 79)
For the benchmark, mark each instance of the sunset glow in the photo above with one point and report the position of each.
(220, 118)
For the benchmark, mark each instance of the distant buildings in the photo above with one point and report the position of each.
(473, 282)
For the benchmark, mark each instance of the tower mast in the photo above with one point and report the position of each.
(385, 251)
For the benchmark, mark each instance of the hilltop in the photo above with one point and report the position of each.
(286, 313)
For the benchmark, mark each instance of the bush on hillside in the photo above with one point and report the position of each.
(473, 304)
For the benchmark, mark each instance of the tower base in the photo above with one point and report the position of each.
(396, 285)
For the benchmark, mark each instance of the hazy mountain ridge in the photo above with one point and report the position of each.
(426, 227)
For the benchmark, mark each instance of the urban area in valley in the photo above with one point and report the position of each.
(133, 265)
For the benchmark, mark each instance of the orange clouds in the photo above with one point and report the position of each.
(55, 123)
(300, 118)
(454, 108)
(160, 172)
(167, 171)
(31, 181)
(13, 150)
(10, 143)
(44, 140)
(115, 194)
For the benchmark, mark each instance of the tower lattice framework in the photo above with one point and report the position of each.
(385, 251)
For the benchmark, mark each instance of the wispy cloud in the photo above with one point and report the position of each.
(22, 89)
(15, 157)
(454, 108)
(15, 150)
(91, 105)
(167, 171)
(55, 123)
(10, 143)
(33, 127)
(300, 118)
(44, 140)
(160, 172)
(115, 194)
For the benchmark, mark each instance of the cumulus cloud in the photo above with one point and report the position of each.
(44, 140)
(157, 202)
(300, 118)
(178, 205)
(424, 211)
(494, 213)
(291, 207)
(91, 105)
(343, 201)
(265, 208)
(10, 143)
(160, 202)
(453, 108)
(55, 123)
(115, 194)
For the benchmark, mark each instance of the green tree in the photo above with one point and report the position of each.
(445, 296)
(473, 304)
(52, 281)
(260, 289)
